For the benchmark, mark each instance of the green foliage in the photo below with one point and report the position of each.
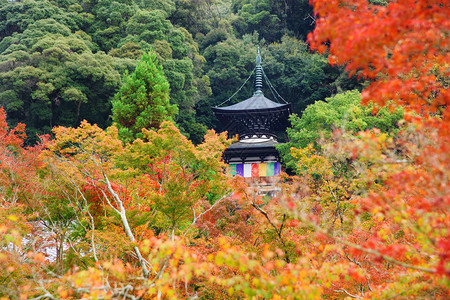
(299, 76)
(16, 16)
(54, 78)
(177, 173)
(272, 19)
(342, 111)
(379, 2)
(143, 100)
(146, 30)
(199, 16)
(145, 27)
(257, 16)
(302, 77)
(52, 71)
(206, 47)
(228, 64)
(364, 216)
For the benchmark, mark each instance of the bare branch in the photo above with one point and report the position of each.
(348, 294)
(277, 230)
(196, 218)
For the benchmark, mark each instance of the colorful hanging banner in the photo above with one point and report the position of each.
(240, 170)
(277, 168)
(247, 170)
(232, 169)
(262, 170)
(270, 169)
(255, 170)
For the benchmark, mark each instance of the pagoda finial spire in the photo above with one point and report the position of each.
(258, 81)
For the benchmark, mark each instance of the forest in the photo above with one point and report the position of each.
(112, 181)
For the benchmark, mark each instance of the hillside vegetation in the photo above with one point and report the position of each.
(112, 182)
(63, 61)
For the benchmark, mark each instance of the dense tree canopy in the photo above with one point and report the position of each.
(299, 76)
(413, 63)
(343, 112)
(42, 40)
(206, 48)
(101, 212)
(272, 19)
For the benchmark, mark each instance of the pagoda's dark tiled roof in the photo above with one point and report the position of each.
(247, 152)
(255, 103)
(241, 145)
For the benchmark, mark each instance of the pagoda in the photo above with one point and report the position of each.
(256, 121)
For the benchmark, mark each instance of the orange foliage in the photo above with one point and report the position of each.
(402, 47)
(363, 218)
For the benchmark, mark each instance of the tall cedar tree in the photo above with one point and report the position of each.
(143, 100)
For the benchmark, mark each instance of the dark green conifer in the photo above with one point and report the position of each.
(143, 100)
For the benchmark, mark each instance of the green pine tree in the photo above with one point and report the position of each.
(143, 100)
